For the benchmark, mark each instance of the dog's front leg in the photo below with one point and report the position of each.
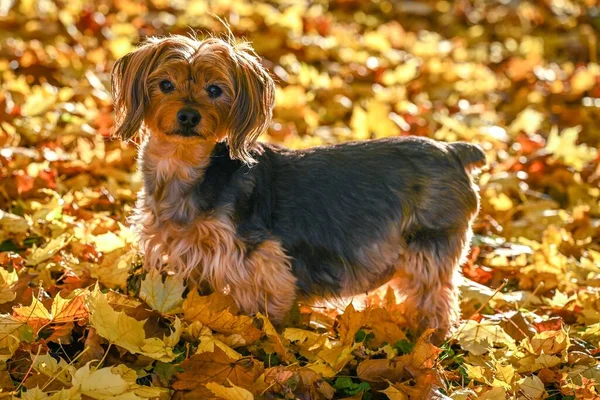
(267, 283)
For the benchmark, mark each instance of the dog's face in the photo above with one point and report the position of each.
(193, 91)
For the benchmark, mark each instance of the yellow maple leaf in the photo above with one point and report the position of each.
(309, 340)
(584, 78)
(47, 365)
(208, 344)
(41, 254)
(592, 333)
(7, 279)
(359, 123)
(500, 201)
(393, 393)
(550, 342)
(229, 393)
(164, 296)
(12, 332)
(36, 315)
(40, 99)
(479, 337)
(322, 369)
(528, 121)
(110, 383)
(374, 120)
(113, 271)
(476, 373)
(504, 376)
(120, 46)
(533, 387)
(163, 349)
(336, 356)
(127, 332)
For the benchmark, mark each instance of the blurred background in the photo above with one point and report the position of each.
(521, 78)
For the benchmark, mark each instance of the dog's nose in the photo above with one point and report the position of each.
(188, 118)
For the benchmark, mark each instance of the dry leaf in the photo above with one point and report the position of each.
(127, 332)
(164, 296)
(217, 367)
(215, 312)
(229, 393)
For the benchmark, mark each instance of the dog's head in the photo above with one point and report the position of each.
(193, 91)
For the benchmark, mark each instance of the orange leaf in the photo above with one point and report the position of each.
(382, 370)
(424, 354)
(217, 367)
(215, 311)
(69, 310)
(349, 323)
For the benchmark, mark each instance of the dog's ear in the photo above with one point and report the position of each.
(129, 81)
(130, 95)
(252, 106)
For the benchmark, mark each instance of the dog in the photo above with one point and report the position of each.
(273, 226)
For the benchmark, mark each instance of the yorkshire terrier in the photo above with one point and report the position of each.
(273, 225)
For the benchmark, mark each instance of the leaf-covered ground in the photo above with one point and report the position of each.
(79, 318)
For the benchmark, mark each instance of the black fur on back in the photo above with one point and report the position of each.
(326, 205)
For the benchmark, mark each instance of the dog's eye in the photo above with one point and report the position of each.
(166, 86)
(214, 91)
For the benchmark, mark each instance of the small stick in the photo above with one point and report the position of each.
(29, 370)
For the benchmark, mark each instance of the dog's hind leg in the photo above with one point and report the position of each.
(426, 270)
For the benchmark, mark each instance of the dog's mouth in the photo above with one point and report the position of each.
(185, 132)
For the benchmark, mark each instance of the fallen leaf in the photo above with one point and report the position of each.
(215, 312)
(229, 393)
(41, 254)
(480, 337)
(7, 280)
(164, 296)
(127, 332)
(217, 367)
(349, 323)
(381, 370)
(393, 393)
(532, 387)
(36, 315)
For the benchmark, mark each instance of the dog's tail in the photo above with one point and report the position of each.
(470, 156)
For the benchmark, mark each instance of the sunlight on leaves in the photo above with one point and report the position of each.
(164, 296)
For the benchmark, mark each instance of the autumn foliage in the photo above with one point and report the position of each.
(79, 318)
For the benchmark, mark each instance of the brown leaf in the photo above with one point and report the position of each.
(382, 370)
(215, 311)
(517, 327)
(349, 323)
(424, 353)
(217, 367)
(385, 329)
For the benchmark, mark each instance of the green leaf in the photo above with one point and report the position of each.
(403, 346)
